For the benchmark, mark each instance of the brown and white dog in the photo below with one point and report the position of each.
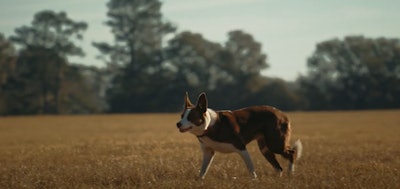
(231, 131)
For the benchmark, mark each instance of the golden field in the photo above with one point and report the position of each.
(354, 149)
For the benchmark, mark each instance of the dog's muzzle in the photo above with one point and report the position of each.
(182, 130)
(179, 125)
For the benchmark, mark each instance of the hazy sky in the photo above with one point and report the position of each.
(288, 30)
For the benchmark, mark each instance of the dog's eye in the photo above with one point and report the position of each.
(198, 122)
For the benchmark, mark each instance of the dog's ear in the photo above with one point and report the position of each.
(187, 101)
(202, 103)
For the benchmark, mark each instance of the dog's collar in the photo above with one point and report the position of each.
(204, 134)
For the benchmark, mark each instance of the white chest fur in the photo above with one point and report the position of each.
(217, 146)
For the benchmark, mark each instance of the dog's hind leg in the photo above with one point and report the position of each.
(249, 163)
(270, 156)
(293, 154)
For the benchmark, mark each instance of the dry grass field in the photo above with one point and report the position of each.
(341, 150)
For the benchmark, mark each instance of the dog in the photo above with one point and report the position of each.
(231, 131)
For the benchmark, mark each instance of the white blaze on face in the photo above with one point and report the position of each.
(186, 124)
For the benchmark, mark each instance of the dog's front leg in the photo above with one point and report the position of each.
(246, 157)
(208, 155)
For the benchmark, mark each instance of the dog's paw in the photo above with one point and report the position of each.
(254, 175)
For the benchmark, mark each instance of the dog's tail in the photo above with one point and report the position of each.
(298, 147)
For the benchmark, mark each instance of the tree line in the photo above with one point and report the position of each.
(147, 72)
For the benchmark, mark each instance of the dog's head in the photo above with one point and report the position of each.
(194, 118)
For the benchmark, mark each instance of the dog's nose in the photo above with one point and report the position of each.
(179, 124)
